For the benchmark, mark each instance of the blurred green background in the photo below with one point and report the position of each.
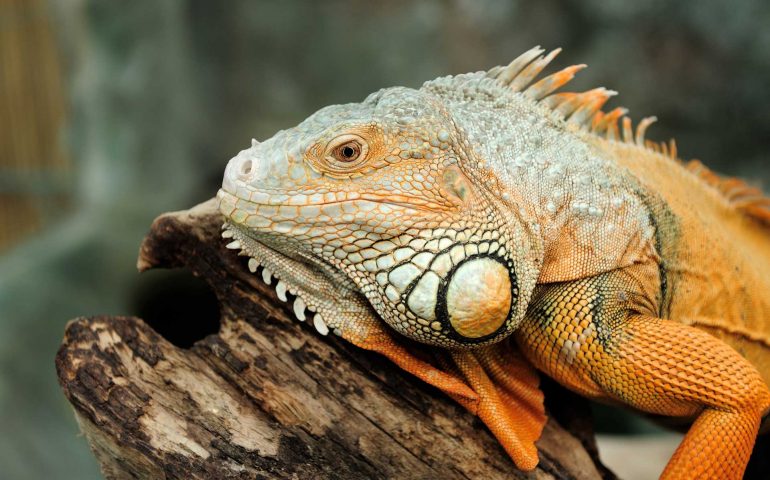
(113, 112)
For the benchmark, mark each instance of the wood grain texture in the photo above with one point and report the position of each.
(267, 397)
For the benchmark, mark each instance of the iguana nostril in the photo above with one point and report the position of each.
(246, 168)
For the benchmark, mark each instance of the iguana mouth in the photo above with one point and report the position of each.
(314, 286)
(265, 206)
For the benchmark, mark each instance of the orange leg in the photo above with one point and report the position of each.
(510, 400)
(717, 446)
(377, 338)
(668, 368)
(582, 334)
(493, 382)
(658, 366)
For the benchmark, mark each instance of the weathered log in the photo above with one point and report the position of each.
(267, 397)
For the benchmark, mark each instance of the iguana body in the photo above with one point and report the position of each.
(717, 254)
(487, 217)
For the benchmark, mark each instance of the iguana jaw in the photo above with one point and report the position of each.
(317, 288)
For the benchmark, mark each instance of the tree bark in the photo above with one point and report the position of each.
(267, 397)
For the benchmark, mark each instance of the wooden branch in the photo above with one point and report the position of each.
(267, 397)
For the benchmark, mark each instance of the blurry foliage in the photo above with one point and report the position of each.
(34, 171)
(159, 95)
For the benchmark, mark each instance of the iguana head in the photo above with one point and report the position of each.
(386, 200)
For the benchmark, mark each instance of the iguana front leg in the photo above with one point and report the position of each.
(580, 334)
(493, 382)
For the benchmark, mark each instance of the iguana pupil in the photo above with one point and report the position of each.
(348, 152)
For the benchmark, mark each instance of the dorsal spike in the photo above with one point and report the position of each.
(572, 102)
(553, 101)
(509, 72)
(553, 82)
(566, 108)
(628, 132)
(592, 101)
(583, 110)
(642, 127)
(529, 72)
(672, 148)
(493, 72)
(744, 197)
(609, 118)
(254, 143)
(596, 119)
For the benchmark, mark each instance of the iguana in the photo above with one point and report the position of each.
(513, 229)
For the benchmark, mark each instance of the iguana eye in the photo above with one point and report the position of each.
(347, 149)
(347, 152)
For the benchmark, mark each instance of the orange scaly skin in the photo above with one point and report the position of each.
(504, 228)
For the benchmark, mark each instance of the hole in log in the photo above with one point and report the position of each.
(177, 305)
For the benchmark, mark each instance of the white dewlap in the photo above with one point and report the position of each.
(479, 297)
